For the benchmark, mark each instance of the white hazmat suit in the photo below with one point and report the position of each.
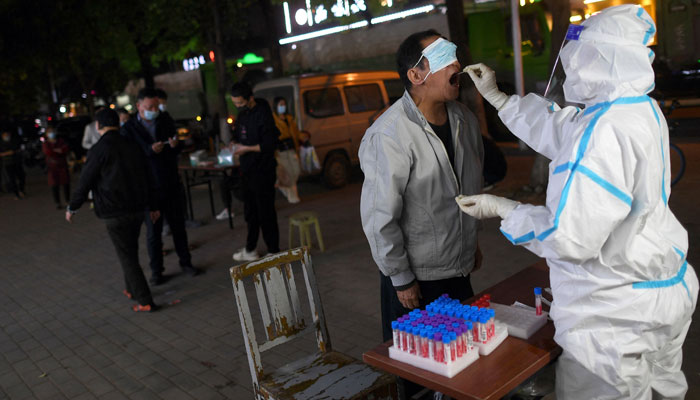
(623, 291)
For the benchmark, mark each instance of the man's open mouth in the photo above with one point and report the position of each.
(454, 79)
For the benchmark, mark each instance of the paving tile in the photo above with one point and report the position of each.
(99, 386)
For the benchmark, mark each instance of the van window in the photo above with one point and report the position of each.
(269, 94)
(363, 98)
(394, 89)
(321, 103)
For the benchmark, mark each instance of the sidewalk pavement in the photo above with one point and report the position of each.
(67, 331)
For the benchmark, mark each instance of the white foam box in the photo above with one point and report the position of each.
(448, 370)
(501, 333)
(520, 322)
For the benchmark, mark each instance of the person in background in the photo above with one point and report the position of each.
(56, 151)
(123, 116)
(118, 175)
(12, 164)
(162, 101)
(287, 150)
(255, 135)
(155, 134)
(90, 135)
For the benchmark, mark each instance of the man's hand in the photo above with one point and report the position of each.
(478, 258)
(410, 298)
(241, 149)
(154, 215)
(157, 147)
(173, 141)
(69, 217)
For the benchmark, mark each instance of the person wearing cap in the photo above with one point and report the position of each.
(623, 291)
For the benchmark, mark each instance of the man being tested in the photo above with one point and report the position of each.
(623, 291)
(416, 157)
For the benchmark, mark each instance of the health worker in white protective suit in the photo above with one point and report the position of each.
(623, 291)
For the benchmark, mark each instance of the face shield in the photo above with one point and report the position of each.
(555, 85)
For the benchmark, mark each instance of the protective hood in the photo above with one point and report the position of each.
(611, 59)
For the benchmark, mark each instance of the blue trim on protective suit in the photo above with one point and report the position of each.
(595, 178)
(679, 278)
(664, 196)
(574, 167)
(606, 185)
(651, 29)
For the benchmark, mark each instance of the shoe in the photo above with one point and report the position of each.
(245, 255)
(126, 293)
(192, 270)
(146, 308)
(158, 279)
(223, 215)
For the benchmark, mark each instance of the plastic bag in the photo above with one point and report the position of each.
(225, 156)
(309, 159)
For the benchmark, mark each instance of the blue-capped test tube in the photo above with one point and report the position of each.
(396, 334)
(538, 300)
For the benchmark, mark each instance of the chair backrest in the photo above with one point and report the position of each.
(279, 304)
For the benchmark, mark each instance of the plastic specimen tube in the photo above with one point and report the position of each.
(439, 348)
(448, 349)
(395, 332)
(538, 300)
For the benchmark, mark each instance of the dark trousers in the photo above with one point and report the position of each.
(172, 210)
(259, 210)
(15, 178)
(57, 197)
(457, 288)
(124, 232)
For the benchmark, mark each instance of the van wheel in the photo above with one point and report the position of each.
(336, 171)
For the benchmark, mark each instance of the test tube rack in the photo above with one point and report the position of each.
(520, 322)
(448, 370)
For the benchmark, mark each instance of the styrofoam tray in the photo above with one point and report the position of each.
(501, 333)
(520, 322)
(448, 370)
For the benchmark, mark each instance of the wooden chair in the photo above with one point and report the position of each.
(326, 374)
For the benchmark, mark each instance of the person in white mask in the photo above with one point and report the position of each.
(421, 152)
(623, 290)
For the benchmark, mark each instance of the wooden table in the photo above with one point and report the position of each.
(193, 179)
(492, 376)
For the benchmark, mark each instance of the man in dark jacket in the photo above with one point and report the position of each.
(117, 174)
(155, 134)
(255, 135)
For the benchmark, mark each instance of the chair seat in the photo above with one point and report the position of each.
(303, 217)
(331, 375)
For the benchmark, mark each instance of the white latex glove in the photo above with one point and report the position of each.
(485, 81)
(482, 206)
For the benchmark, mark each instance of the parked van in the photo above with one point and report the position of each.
(336, 109)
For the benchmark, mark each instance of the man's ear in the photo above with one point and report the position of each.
(414, 75)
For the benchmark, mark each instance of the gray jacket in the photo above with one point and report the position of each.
(413, 224)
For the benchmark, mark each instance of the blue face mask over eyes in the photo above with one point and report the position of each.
(440, 54)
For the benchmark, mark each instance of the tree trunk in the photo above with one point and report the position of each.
(221, 109)
(272, 38)
(458, 35)
(146, 67)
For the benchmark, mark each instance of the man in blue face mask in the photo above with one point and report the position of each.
(155, 133)
(423, 149)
